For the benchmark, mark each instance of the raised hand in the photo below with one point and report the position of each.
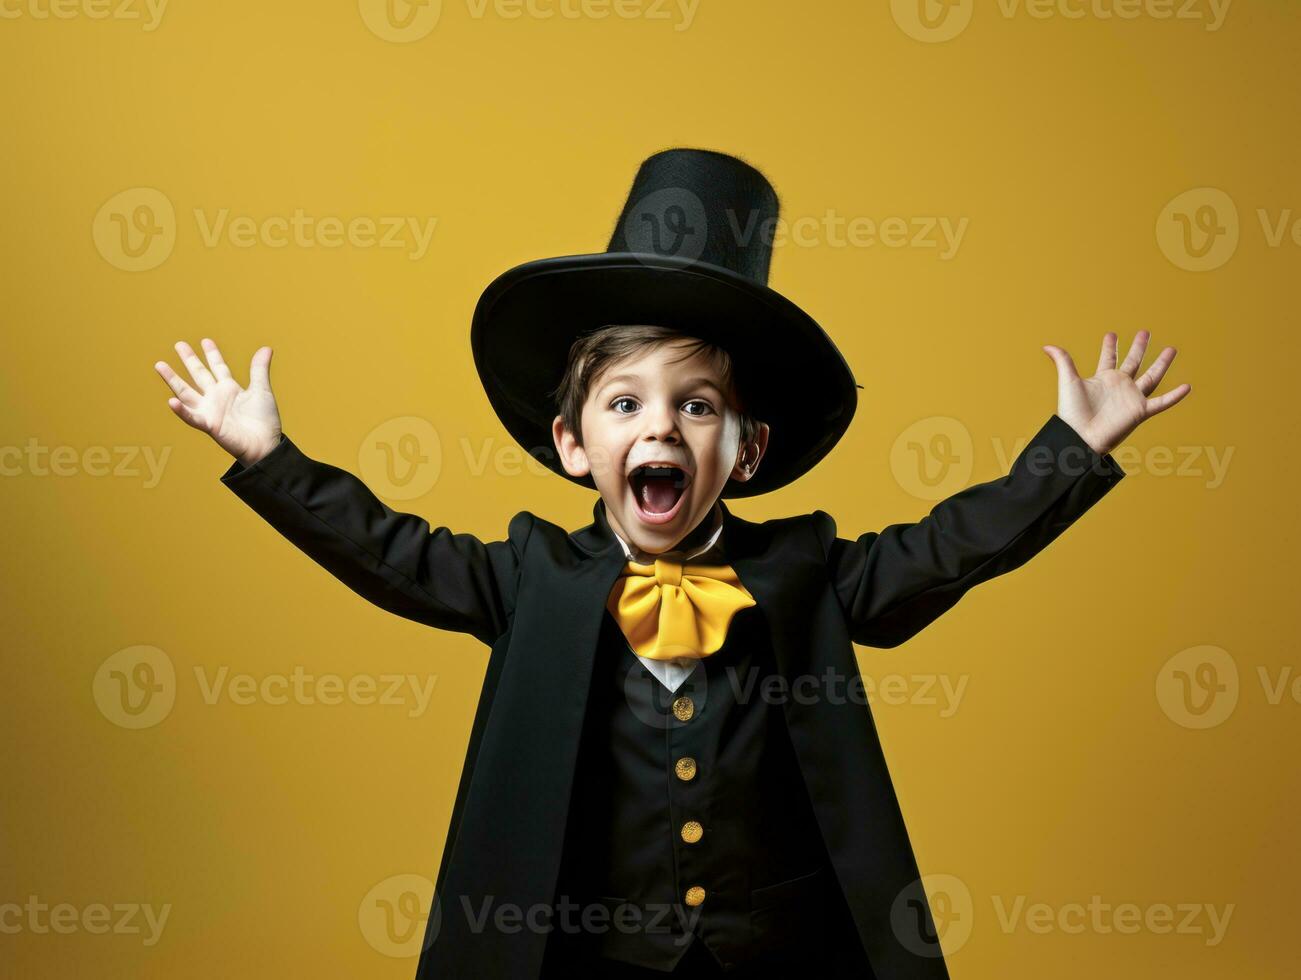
(243, 421)
(1107, 407)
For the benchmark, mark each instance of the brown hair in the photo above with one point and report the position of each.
(596, 350)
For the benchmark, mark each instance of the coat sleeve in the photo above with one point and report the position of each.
(894, 582)
(433, 576)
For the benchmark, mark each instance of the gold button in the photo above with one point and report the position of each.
(683, 708)
(695, 895)
(692, 831)
(685, 768)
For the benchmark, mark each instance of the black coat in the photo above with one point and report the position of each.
(537, 599)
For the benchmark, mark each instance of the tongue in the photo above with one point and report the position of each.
(658, 494)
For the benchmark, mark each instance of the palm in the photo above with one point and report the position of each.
(235, 417)
(243, 421)
(1107, 407)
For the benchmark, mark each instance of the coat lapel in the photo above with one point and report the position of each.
(507, 847)
(837, 746)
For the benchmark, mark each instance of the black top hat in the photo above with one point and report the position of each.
(691, 251)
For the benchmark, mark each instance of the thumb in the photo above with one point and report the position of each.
(259, 369)
(1065, 366)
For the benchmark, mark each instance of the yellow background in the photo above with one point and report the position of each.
(1059, 139)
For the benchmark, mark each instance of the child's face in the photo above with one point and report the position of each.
(659, 408)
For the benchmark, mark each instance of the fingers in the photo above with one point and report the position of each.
(1065, 366)
(1153, 375)
(188, 417)
(259, 369)
(1135, 356)
(184, 392)
(215, 360)
(1162, 402)
(201, 375)
(1107, 359)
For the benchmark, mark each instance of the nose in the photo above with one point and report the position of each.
(662, 423)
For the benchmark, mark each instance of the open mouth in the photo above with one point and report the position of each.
(658, 491)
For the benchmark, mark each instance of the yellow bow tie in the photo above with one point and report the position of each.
(670, 609)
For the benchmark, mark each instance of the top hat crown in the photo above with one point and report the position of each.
(691, 250)
(699, 205)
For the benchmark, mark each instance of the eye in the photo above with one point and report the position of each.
(707, 409)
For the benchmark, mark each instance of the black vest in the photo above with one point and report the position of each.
(689, 819)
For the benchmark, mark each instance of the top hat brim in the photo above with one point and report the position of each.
(790, 373)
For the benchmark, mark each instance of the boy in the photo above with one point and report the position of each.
(629, 794)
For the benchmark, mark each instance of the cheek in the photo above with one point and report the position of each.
(712, 466)
(604, 463)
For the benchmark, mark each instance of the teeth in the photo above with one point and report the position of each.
(679, 476)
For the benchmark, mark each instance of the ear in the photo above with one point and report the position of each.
(572, 456)
(748, 455)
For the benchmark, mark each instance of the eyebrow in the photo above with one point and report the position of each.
(690, 383)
